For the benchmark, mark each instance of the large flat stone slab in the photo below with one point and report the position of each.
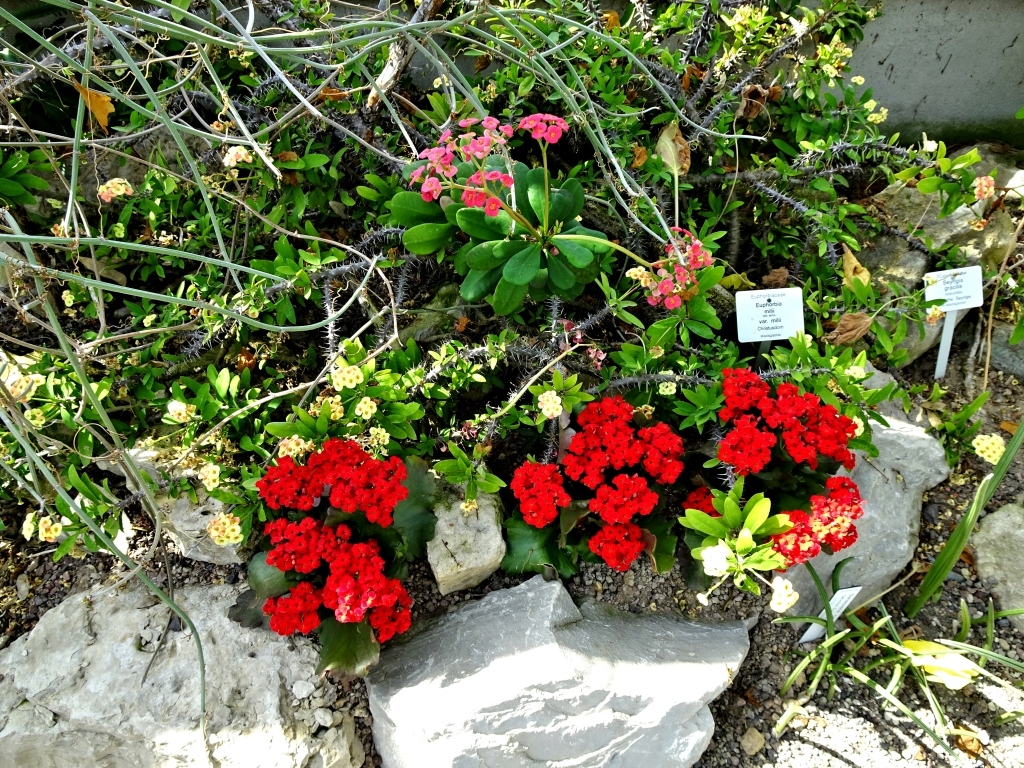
(524, 678)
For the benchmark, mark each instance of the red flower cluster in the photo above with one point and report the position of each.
(295, 612)
(356, 587)
(618, 544)
(700, 499)
(606, 440)
(631, 496)
(809, 428)
(355, 480)
(829, 524)
(538, 487)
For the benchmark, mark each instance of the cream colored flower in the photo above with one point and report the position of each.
(646, 410)
(28, 528)
(989, 447)
(860, 425)
(636, 273)
(365, 408)
(784, 596)
(927, 144)
(113, 189)
(209, 475)
(235, 155)
(49, 530)
(23, 387)
(655, 352)
(180, 412)
(347, 377)
(68, 298)
(148, 320)
(294, 446)
(984, 187)
(337, 408)
(716, 559)
(879, 116)
(550, 404)
(35, 417)
(379, 438)
(951, 669)
(667, 388)
(855, 372)
(933, 315)
(857, 80)
(225, 529)
(468, 506)
(870, 105)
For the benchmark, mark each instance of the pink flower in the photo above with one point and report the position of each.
(431, 189)
(492, 206)
(553, 134)
(507, 181)
(673, 302)
(468, 122)
(665, 287)
(491, 123)
(493, 175)
(984, 187)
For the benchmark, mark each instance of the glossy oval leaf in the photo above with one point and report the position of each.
(599, 248)
(559, 273)
(424, 239)
(475, 223)
(536, 192)
(575, 189)
(519, 174)
(482, 256)
(562, 205)
(508, 297)
(523, 267)
(410, 209)
(347, 649)
(266, 580)
(577, 254)
(479, 283)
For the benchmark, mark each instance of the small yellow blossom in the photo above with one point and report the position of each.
(225, 529)
(28, 528)
(468, 506)
(49, 530)
(337, 408)
(870, 105)
(209, 475)
(365, 408)
(550, 404)
(68, 298)
(879, 116)
(347, 377)
(113, 189)
(235, 155)
(655, 352)
(667, 388)
(379, 438)
(927, 144)
(35, 417)
(646, 410)
(989, 447)
(180, 412)
(951, 669)
(294, 446)
(933, 315)
(857, 80)
(856, 372)
(23, 387)
(784, 596)
(148, 320)
(860, 425)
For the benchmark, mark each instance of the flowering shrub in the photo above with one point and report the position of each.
(605, 457)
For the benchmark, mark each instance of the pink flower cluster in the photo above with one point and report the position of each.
(673, 288)
(549, 128)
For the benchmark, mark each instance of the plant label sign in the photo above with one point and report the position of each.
(769, 315)
(962, 289)
(840, 602)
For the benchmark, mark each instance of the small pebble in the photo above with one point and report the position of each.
(302, 689)
(752, 741)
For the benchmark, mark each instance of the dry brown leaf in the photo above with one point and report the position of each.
(639, 155)
(98, 103)
(100, 267)
(853, 269)
(246, 360)
(674, 150)
(777, 278)
(332, 94)
(610, 19)
(753, 101)
(968, 556)
(692, 72)
(969, 745)
(461, 324)
(287, 156)
(289, 178)
(775, 93)
(852, 326)
(1009, 426)
(482, 63)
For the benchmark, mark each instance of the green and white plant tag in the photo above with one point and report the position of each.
(769, 315)
(840, 602)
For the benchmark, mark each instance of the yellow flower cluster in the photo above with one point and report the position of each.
(667, 388)
(209, 475)
(23, 387)
(225, 529)
(989, 447)
(347, 377)
(180, 412)
(550, 404)
(365, 408)
(49, 530)
(35, 417)
(294, 446)
(379, 438)
(337, 409)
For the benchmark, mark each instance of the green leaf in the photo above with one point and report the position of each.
(575, 190)
(523, 267)
(482, 257)
(508, 297)
(536, 191)
(705, 523)
(661, 545)
(578, 255)
(409, 209)
(559, 273)
(1020, 114)
(562, 204)
(266, 580)
(758, 514)
(732, 514)
(929, 185)
(414, 517)
(315, 160)
(519, 174)
(478, 283)
(475, 223)
(347, 649)
(529, 548)
(568, 518)
(663, 332)
(1018, 332)
(247, 609)
(177, 16)
(424, 239)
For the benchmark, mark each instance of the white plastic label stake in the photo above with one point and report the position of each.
(962, 289)
(840, 602)
(769, 315)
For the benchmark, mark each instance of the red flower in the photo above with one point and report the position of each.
(798, 544)
(290, 486)
(663, 453)
(631, 496)
(302, 546)
(392, 616)
(606, 439)
(743, 390)
(830, 523)
(296, 612)
(701, 499)
(538, 487)
(747, 448)
(618, 545)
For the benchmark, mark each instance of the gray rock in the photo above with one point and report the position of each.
(752, 741)
(909, 462)
(907, 209)
(72, 690)
(1004, 357)
(437, 317)
(524, 678)
(22, 587)
(184, 521)
(467, 546)
(997, 545)
(890, 261)
(303, 689)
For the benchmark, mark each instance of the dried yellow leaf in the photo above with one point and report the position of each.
(853, 269)
(98, 103)
(674, 150)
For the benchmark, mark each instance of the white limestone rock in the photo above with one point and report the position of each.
(997, 546)
(467, 546)
(524, 678)
(72, 692)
